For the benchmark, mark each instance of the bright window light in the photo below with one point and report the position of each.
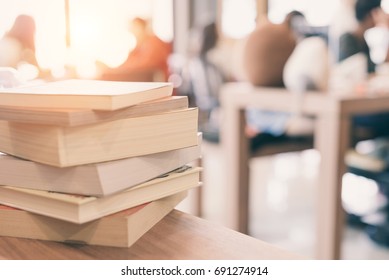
(99, 29)
(238, 20)
(385, 5)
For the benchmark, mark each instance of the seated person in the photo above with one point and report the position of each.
(368, 13)
(18, 44)
(354, 42)
(147, 59)
(370, 157)
(205, 79)
(17, 53)
(267, 50)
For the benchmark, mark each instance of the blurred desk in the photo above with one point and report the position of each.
(332, 114)
(177, 236)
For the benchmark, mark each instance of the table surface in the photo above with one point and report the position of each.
(242, 94)
(178, 236)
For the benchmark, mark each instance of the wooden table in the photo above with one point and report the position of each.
(178, 236)
(332, 114)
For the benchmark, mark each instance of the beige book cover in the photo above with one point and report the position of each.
(123, 138)
(75, 117)
(81, 209)
(96, 179)
(91, 94)
(121, 229)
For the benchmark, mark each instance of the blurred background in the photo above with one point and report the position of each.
(199, 45)
(75, 34)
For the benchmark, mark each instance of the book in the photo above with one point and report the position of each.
(77, 93)
(70, 146)
(121, 229)
(96, 179)
(81, 209)
(75, 117)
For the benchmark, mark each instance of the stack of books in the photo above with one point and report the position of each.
(93, 162)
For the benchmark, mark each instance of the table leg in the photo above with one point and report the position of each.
(236, 153)
(332, 138)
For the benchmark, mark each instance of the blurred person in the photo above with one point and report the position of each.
(18, 44)
(369, 161)
(204, 76)
(342, 22)
(17, 51)
(367, 14)
(147, 59)
(267, 51)
(297, 22)
(204, 79)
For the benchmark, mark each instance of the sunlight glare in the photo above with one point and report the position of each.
(238, 20)
(99, 30)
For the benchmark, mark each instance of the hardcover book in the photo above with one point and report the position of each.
(75, 117)
(121, 229)
(95, 179)
(70, 146)
(81, 209)
(90, 94)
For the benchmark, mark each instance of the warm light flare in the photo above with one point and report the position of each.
(99, 31)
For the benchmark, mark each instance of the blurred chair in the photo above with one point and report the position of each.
(261, 146)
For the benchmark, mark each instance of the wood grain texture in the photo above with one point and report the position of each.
(178, 236)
